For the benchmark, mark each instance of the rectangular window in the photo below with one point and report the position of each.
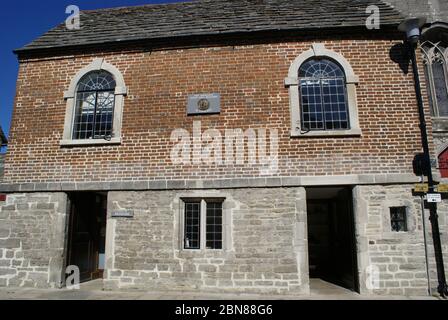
(203, 225)
(398, 219)
(193, 225)
(214, 225)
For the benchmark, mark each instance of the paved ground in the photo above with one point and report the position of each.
(92, 291)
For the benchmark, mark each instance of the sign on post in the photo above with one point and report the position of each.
(442, 188)
(421, 188)
(434, 197)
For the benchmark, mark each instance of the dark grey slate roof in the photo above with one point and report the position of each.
(433, 10)
(3, 140)
(211, 17)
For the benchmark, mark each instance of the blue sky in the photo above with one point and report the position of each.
(21, 21)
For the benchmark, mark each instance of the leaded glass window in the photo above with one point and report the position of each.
(192, 225)
(203, 224)
(398, 219)
(436, 70)
(95, 101)
(323, 95)
(214, 225)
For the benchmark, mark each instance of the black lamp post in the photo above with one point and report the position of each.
(412, 28)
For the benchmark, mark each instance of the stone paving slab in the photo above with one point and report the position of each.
(83, 294)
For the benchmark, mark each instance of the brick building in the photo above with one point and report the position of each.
(3, 143)
(434, 46)
(240, 146)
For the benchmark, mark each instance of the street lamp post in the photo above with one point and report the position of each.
(412, 28)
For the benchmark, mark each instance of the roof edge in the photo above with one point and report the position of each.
(3, 139)
(216, 35)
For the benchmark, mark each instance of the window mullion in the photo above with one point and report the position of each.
(94, 115)
(322, 104)
(203, 225)
(182, 225)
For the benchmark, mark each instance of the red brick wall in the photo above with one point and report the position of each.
(250, 80)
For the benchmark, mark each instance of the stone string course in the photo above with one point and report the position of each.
(212, 184)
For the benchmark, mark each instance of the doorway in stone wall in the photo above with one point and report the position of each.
(331, 238)
(87, 234)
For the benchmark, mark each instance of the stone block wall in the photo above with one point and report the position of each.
(32, 233)
(266, 249)
(266, 252)
(442, 211)
(399, 257)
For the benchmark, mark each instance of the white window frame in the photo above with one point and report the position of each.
(226, 226)
(318, 50)
(70, 96)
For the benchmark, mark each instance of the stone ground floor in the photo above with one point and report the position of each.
(93, 291)
(366, 239)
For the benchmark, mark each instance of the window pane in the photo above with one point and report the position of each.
(104, 114)
(428, 81)
(94, 81)
(85, 109)
(440, 88)
(214, 226)
(192, 238)
(311, 105)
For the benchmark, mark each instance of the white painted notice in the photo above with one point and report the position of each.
(434, 197)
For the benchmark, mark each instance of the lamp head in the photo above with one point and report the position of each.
(412, 28)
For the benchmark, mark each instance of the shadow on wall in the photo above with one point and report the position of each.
(2, 161)
(399, 54)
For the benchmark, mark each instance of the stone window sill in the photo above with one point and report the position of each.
(202, 253)
(90, 142)
(440, 124)
(397, 236)
(322, 134)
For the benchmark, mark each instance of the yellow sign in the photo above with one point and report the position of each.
(442, 188)
(421, 188)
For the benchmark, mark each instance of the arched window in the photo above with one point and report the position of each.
(322, 91)
(95, 101)
(435, 57)
(436, 65)
(323, 96)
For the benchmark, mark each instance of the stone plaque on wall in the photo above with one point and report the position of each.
(204, 104)
(123, 214)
